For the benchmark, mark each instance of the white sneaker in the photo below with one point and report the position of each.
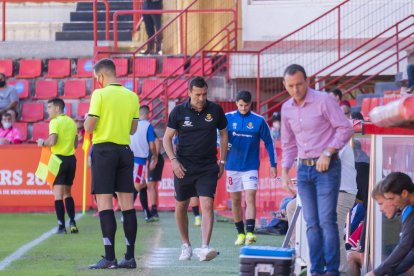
(186, 252)
(206, 253)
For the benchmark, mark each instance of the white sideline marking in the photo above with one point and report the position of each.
(25, 248)
(163, 257)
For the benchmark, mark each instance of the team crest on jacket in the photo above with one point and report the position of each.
(209, 118)
(250, 125)
(234, 125)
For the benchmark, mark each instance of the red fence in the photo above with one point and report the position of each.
(191, 62)
(361, 39)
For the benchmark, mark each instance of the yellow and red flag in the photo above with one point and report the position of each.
(48, 167)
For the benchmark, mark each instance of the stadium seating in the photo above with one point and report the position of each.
(6, 67)
(148, 85)
(172, 67)
(84, 68)
(68, 109)
(29, 68)
(32, 112)
(40, 131)
(22, 127)
(121, 66)
(74, 89)
(145, 67)
(83, 108)
(22, 87)
(177, 88)
(129, 84)
(46, 89)
(366, 107)
(196, 67)
(58, 68)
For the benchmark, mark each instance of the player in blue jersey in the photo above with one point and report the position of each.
(246, 129)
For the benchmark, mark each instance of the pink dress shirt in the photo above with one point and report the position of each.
(309, 129)
(12, 134)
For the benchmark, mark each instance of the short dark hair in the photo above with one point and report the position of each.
(144, 109)
(293, 68)
(336, 92)
(3, 76)
(276, 116)
(57, 102)
(6, 115)
(107, 64)
(244, 95)
(396, 183)
(377, 191)
(197, 82)
(357, 116)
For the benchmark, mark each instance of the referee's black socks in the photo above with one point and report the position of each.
(60, 213)
(108, 227)
(130, 230)
(70, 208)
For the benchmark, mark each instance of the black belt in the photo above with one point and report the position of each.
(312, 161)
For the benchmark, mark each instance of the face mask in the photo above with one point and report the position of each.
(6, 125)
(2, 83)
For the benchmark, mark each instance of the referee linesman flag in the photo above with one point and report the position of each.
(48, 167)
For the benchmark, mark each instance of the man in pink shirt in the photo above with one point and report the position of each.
(9, 134)
(314, 129)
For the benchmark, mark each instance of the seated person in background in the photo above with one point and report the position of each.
(357, 116)
(346, 108)
(81, 130)
(398, 188)
(337, 94)
(9, 134)
(279, 223)
(9, 98)
(355, 258)
(275, 129)
(405, 80)
(410, 76)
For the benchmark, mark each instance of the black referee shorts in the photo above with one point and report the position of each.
(67, 170)
(156, 173)
(112, 169)
(200, 182)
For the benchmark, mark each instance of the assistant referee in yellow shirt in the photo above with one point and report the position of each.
(112, 117)
(62, 141)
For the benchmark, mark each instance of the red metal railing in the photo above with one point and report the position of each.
(224, 39)
(381, 47)
(230, 34)
(340, 34)
(136, 21)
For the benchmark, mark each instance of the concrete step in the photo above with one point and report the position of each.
(88, 16)
(88, 35)
(88, 26)
(113, 5)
